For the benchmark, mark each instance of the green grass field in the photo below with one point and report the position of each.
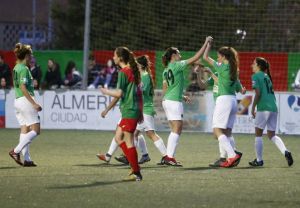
(69, 174)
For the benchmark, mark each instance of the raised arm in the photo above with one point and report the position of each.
(197, 56)
(206, 57)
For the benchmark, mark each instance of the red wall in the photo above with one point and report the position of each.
(278, 67)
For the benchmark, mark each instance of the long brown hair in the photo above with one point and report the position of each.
(232, 57)
(128, 58)
(21, 50)
(264, 66)
(145, 63)
(166, 58)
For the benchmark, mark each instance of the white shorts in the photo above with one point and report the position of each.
(266, 118)
(25, 113)
(225, 112)
(173, 110)
(147, 124)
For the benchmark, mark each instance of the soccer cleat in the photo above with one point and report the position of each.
(134, 177)
(144, 159)
(105, 158)
(256, 163)
(289, 158)
(16, 157)
(29, 164)
(217, 163)
(172, 162)
(230, 162)
(162, 161)
(238, 160)
(122, 159)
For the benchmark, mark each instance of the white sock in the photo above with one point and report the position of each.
(25, 150)
(279, 144)
(224, 142)
(223, 153)
(112, 148)
(232, 142)
(142, 145)
(27, 139)
(159, 144)
(259, 148)
(172, 144)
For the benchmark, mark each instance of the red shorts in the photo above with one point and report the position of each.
(128, 124)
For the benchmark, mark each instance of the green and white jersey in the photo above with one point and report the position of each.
(267, 101)
(211, 82)
(147, 88)
(22, 75)
(129, 104)
(174, 77)
(226, 86)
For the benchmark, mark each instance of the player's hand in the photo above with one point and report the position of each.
(103, 113)
(37, 107)
(243, 91)
(253, 113)
(187, 99)
(209, 39)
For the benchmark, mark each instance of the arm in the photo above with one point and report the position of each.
(117, 93)
(197, 56)
(109, 107)
(206, 57)
(256, 99)
(29, 98)
(164, 87)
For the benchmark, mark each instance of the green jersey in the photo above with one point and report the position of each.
(22, 75)
(131, 101)
(174, 77)
(226, 86)
(211, 82)
(263, 83)
(147, 88)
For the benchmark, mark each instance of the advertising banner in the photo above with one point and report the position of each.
(289, 114)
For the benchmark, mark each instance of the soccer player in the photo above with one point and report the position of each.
(226, 104)
(266, 114)
(131, 106)
(25, 106)
(173, 81)
(213, 81)
(147, 125)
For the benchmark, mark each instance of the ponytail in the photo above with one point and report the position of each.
(264, 66)
(145, 63)
(232, 57)
(128, 58)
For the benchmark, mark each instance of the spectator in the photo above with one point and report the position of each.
(110, 69)
(194, 86)
(114, 78)
(94, 70)
(36, 73)
(99, 80)
(53, 77)
(296, 84)
(72, 76)
(5, 74)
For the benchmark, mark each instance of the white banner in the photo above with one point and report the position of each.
(289, 114)
(69, 110)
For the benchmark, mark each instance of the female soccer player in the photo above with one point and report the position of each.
(266, 114)
(131, 106)
(173, 81)
(147, 125)
(213, 81)
(26, 107)
(226, 104)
